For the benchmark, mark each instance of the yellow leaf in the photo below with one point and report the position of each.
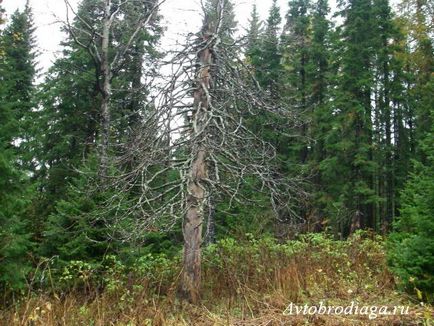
(419, 294)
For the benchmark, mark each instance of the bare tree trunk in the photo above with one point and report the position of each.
(193, 231)
(106, 89)
(196, 197)
(211, 209)
(107, 66)
(210, 226)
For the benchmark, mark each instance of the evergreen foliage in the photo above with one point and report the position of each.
(411, 247)
(411, 250)
(358, 80)
(17, 69)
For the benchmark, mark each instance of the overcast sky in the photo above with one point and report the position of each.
(180, 17)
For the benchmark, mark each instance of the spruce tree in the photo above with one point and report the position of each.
(16, 86)
(411, 249)
(384, 179)
(263, 54)
(68, 123)
(412, 78)
(320, 51)
(416, 16)
(268, 67)
(266, 59)
(76, 201)
(254, 32)
(20, 69)
(353, 159)
(296, 44)
(322, 115)
(402, 111)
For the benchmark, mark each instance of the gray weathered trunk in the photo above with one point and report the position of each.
(106, 89)
(210, 226)
(197, 193)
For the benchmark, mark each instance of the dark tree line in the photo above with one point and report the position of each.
(350, 84)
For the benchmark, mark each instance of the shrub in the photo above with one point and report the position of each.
(411, 245)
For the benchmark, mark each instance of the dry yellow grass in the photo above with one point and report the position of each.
(102, 311)
(249, 285)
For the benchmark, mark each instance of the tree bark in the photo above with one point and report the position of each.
(210, 226)
(193, 231)
(106, 89)
(193, 221)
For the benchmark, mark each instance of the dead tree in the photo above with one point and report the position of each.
(198, 174)
(196, 146)
(107, 56)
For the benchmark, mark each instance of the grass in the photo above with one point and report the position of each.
(244, 283)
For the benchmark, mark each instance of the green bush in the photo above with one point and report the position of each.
(15, 237)
(411, 245)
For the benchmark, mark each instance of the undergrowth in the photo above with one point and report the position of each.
(248, 282)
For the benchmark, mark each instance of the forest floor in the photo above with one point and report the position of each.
(249, 283)
(46, 311)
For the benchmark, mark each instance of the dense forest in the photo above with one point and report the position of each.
(216, 182)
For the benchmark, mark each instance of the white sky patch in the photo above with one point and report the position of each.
(180, 17)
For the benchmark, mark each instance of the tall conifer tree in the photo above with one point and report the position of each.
(17, 69)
